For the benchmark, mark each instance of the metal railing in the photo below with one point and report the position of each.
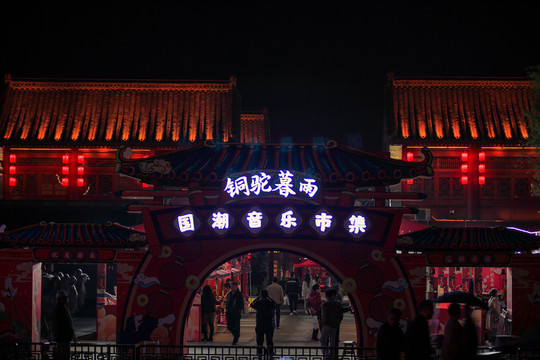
(96, 351)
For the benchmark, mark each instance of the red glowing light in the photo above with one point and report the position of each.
(12, 170)
(410, 156)
(464, 180)
(80, 170)
(80, 182)
(482, 180)
(12, 181)
(65, 181)
(410, 182)
(481, 156)
(65, 159)
(65, 170)
(12, 158)
(464, 156)
(481, 168)
(80, 159)
(464, 168)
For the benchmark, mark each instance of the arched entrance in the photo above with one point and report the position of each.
(171, 273)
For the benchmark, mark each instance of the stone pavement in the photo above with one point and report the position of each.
(294, 330)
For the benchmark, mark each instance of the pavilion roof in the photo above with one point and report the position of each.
(110, 235)
(61, 113)
(446, 112)
(208, 164)
(498, 239)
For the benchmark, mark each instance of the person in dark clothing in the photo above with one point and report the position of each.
(292, 289)
(331, 316)
(390, 338)
(208, 311)
(417, 335)
(63, 329)
(264, 306)
(233, 311)
(470, 341)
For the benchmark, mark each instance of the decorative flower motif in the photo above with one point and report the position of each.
(349, 285)
(142, 300)
(192, 282)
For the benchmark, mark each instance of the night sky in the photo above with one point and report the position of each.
(320, 68)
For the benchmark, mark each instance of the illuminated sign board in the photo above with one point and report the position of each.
(283, 184)
(288, 220)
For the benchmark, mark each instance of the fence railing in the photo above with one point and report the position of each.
(96, 351)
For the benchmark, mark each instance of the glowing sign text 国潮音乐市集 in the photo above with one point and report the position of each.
(283, 183)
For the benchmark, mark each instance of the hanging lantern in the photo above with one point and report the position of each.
(464, 156)
(410, 182)
(464, 168)
(482, 180)
(80, 182)
(12, 158)
(80, 159)
(65, 170)
(80, 170)
(65, 181)
(410, 156)
(12, 181)
(481, 156)
(464, 180)
(482, 168)
(12, 170)
(65, 159)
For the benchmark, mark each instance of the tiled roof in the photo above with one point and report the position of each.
(467, 239)
(254, 128)
(460, 111)
(109, 114)
(208, 164)
(110, 235)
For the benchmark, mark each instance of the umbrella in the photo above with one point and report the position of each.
(462, 298)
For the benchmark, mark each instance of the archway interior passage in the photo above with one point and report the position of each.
(254, 271)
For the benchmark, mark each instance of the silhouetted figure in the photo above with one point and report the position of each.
(72, 294)
(418, 336)
(64, 332)
(306, 290)
(275, 292)
(264, 306)
(390, 338)
(208, 310)
(235, 306)
(470, 342)
(82, 278)
(331, 316)
(292, 289)
(314, 303)
(493, 316)
(452, 346)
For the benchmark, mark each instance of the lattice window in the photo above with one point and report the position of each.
(91, 162)
(535, 187)
(91, 181)
(31, 187)
(48, 183)
(503, 187)
(105, 185)
(511, 163)
(457, 187)
(416, 186)
(447, 162)
(429, 187)
(444, 187)
(38, 161)
(521, 187)
(488, 189)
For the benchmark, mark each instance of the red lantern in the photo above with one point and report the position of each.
(481, 156)
(80, 159)
(65, 159)
(65, 181)
(65, 170)
(464, 156)
(369, 279)
(482, 180)
(410, 182)
(12, 181)
(410, 156)
(12, 158)
(464, 180)
(464, 168)
(482, 168)
(80, 182)
(80, 170)
(12, 170)
(159, 304)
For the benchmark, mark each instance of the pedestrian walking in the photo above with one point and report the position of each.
(275, 292)
(234, 308)
(314, 303)
(470, 342)
(331, 316)
(417, 335)
(493, 316)
(390, 338)
(208, 311)
(264, 306)
(452, 346)
(306, 290)
(64, 332)
(292, 289)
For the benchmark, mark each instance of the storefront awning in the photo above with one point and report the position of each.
(498, 239)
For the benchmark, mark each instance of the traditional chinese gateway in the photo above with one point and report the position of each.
(209, 202)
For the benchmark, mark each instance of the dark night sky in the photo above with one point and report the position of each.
(320, 68)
